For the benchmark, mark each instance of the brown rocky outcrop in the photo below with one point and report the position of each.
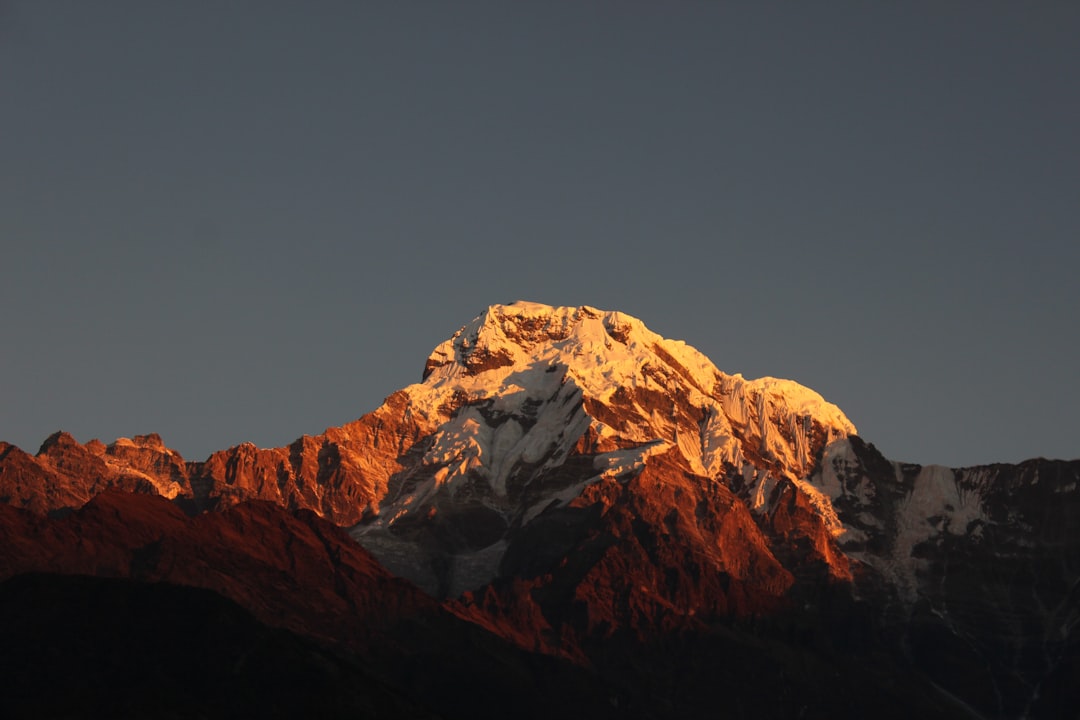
(65, 474)
(340, 474)
(291, 570)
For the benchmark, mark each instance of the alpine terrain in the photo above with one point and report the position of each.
(568, 514)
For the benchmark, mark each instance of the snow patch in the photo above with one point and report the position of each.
(618, 463)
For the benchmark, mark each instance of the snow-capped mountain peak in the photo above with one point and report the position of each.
(523, 352)
(507, 335)
(526, 391)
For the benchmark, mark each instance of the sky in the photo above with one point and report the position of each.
(248, 221)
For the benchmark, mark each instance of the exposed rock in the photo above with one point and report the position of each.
(981, 568)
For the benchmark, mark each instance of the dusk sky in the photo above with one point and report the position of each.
(247, 221)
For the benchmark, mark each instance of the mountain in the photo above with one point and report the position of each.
(571, 482)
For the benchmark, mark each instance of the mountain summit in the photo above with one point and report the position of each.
(528, 405)
(652, 384)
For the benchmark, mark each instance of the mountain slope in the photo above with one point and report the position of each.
(981, 565)
(369, 643)
(291, 571)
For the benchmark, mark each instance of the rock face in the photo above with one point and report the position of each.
(982, 565)
(574, 482)
(65, 475)
(259, 555)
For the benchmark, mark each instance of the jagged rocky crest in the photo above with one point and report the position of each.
(571, 481)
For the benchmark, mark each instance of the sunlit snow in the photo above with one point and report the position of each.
(512, 393)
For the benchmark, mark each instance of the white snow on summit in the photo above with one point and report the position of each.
(522, 389)
(532, 367)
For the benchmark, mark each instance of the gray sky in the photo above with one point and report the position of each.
(232, 221)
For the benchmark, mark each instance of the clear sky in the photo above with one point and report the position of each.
(247, 221)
